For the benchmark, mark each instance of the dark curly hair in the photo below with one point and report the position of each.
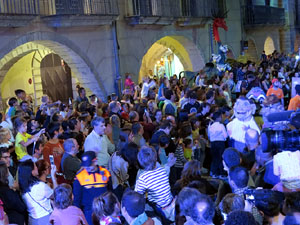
(190, 172)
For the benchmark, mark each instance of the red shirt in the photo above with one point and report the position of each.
(57, 150)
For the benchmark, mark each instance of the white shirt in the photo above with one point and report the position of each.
(287, 165)
(237, 129)
(38, 200)
(145, 90)
(146, 87)
(217, 132)
(101, 145)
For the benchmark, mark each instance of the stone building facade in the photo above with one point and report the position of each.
(101, 40)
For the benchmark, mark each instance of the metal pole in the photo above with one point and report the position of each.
(211, 38)
(118, 86)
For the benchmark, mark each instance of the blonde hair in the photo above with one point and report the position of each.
(3, 134)
(153, 103)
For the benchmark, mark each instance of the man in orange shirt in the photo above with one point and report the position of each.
(295, 101)
(275, 90)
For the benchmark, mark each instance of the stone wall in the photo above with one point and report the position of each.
(259, 37)
(89, 50)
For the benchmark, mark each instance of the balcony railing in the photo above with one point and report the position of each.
(148, 8)
(143, 11)
(203, 8)
(159, 12)
(23, 7)
(59, 7)
(175, 8)
(259, 15)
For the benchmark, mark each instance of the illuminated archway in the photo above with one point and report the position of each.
(269, 46)
(44, 43)
(251, 52)
(182, 50)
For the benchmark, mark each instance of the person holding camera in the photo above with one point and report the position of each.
(35, 193)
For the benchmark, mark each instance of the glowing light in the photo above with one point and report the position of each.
(297, 57)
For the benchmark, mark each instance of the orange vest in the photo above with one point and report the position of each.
(95, 180)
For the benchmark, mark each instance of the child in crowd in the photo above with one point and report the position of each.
(106, 209)
(23, 139)
(217, 135)
(163, 144)
(180, 160)
(11, 111)
(195, 129)
(188, 151)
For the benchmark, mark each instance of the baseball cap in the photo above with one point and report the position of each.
(88, 158)
(274, 80)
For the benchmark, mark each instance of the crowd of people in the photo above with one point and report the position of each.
(178, 150)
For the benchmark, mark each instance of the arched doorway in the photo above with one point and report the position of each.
(171, 55)
(251, 52)
(269, 46)
(39, 44)
(56, 78)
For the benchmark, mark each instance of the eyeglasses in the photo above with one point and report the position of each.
(5, 157)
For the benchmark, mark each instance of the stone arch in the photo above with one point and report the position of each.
(187, 52)
(52, 42)
(251, 52)
(269, 46)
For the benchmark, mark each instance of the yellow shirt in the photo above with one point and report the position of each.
(188, 153)
(21, 151)
(195, 134)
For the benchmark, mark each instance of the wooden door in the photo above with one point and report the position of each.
(56, 78)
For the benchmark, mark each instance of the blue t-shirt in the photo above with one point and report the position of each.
(163, 157)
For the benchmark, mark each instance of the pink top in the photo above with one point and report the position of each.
(69, 216)
(129, 83)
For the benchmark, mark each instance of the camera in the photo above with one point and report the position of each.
(264, 199)
(282, 140)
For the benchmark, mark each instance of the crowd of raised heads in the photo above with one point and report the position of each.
(169, 150)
